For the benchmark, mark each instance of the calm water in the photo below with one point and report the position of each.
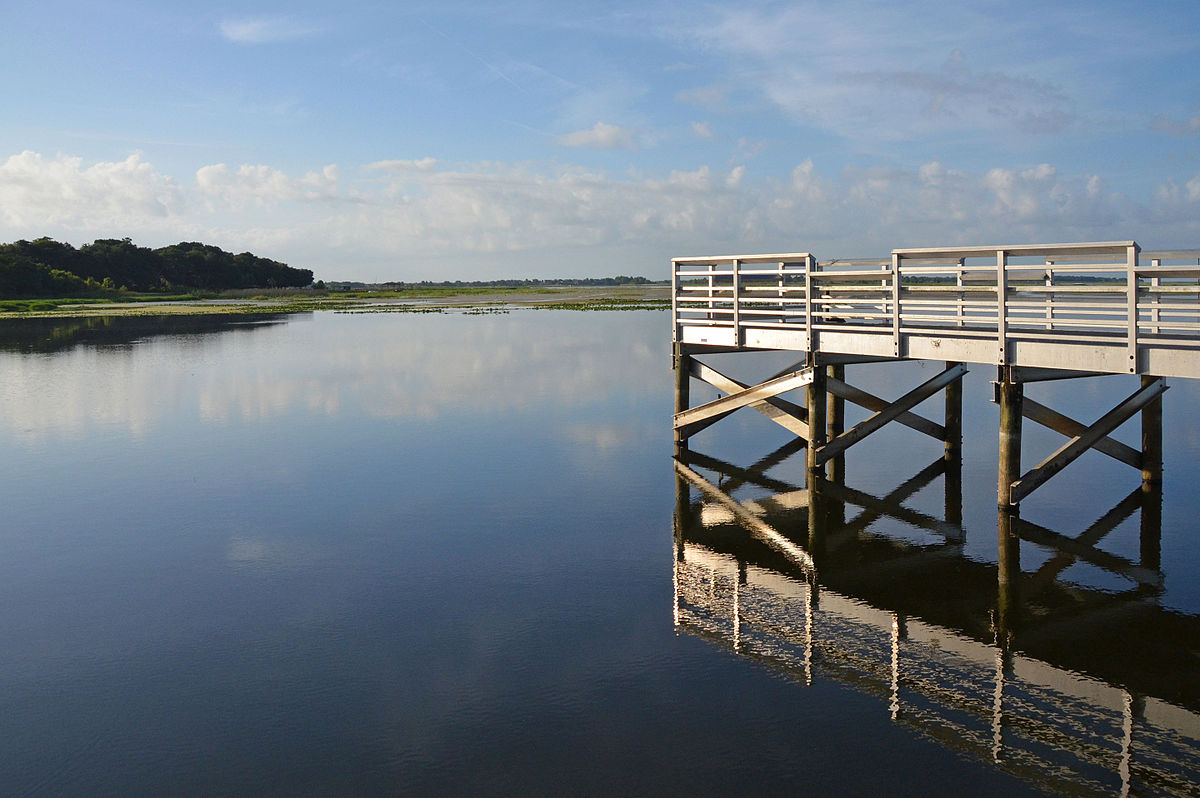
(451, 554)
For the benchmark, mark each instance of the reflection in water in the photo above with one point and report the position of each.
(46, 335)
(1075, 689)
(324, 365)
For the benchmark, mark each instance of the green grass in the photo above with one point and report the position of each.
(440, 291)
(608, 304)
(426, 299)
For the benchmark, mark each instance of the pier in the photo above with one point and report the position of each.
(1033, 312)
(1073, 689)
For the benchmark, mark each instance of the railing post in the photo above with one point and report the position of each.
(809, 265)
(737, 302)
(782, 293)
(1131, 293)
(895, 305)
(677, 332)
(1002, 305)
(1155, 282)
(711, 290)
(958, 282)
(1049, 294)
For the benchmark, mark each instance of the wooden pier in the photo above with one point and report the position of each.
(1074, 689)
(1034, 312)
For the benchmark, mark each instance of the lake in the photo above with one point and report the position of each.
(452, 554)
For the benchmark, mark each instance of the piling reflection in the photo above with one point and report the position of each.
(1076, 689)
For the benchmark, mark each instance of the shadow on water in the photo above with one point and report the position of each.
(1076, 689)
(50, 335)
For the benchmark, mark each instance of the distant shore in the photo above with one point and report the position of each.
(617, 297)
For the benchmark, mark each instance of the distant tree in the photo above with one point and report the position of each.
(45, 267)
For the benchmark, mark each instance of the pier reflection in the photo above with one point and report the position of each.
(1077, 689)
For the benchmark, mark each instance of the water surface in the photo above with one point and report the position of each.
(451, 554)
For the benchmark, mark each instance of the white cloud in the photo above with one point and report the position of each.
(601, 136)
(417, 219)
(418, 165)
(704, 96)
(35, 190)
(263, 185)
(852, 68)
(1183, 128)
(702, 130)
(265, 30)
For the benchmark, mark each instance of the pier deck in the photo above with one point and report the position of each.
(1036, 312)
(1098, 307)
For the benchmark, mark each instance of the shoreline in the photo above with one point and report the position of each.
(619, 297)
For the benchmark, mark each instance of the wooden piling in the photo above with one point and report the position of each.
(1150, 538)
(835, 409)
(953, 425)
(1152, 441)
(815, 400)
(1009, 395)
(954, 492)
(1008, 599)
(681, 361)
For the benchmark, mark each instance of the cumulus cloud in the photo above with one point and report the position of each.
(265, 30)
(36, 190)
(702, 130)
(420, 218)
(601, 136)
(417, 165)
(263, 185)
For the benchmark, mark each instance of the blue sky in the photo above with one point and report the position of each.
(473, 140)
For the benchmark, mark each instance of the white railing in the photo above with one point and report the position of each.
(1094, 293)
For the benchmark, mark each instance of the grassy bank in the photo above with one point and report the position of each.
(407, 300)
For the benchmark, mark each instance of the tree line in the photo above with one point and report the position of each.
(47, 268)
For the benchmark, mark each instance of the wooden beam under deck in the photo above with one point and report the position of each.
(1081, 443)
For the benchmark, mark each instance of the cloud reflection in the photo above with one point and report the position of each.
(386, 366)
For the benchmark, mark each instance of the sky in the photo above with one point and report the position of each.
(518, 138)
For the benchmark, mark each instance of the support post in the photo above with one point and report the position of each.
(1010, 395)
(815, 400)
(1150, 539)
(1008, 596)
(681, 361)
(1152, 442)
(954, 492)
(818, 522)
(953, 423)
(836, 423)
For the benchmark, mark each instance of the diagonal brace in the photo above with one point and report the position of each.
(761, 529)
(1112, 563)
(890, 413)
(1071, 428)
(1066, 454)
(1089, 537)
(688, 420)
(736, 474)
(885, 507)
(871, 402)
(784, 413)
